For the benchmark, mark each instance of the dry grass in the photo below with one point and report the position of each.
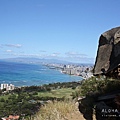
(55, 111)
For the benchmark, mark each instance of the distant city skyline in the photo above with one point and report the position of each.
(55, 29)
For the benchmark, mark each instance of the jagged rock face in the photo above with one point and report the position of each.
(108, 54)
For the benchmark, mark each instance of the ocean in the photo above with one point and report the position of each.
(20, 74)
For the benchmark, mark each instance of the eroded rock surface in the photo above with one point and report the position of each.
(108, 54)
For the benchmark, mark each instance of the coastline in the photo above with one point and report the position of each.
(76, 70)
(29, 74)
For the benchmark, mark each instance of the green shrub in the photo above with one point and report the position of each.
(2, 100)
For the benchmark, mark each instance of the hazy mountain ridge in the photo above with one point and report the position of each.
(41, 61)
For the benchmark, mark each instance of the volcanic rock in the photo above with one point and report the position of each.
(108, 54)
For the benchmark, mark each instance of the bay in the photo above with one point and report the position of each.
(20, 74)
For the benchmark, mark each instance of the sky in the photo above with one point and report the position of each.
(55, 29)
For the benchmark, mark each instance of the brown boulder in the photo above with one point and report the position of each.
(108, 54)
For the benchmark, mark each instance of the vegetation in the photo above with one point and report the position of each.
(93, 88)
(100, 85)
(90, 89)
(57, 93)
(97, 86)
(18, 104)
(55, 111)
(27, 101)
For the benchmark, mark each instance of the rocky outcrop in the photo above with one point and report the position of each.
(108, 54)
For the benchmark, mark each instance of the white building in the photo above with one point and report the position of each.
(4, 86)
(7, 87)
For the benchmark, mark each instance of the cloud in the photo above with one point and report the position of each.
(55, 54)
(9, 51)
(26, 55)
(78, 57)
(75, 54)
(12, 45)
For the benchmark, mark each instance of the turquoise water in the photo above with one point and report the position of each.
(21, 74)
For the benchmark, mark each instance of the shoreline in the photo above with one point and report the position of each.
(7, 82)
(83, 71)
(29, 75)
